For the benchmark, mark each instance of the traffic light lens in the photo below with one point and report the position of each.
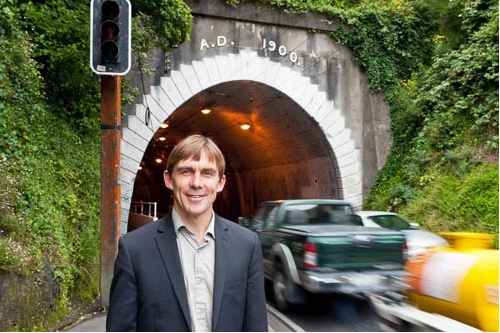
(110, 10)
(109, 51)
(110, 30)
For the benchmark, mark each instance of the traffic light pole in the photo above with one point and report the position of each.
(110, 189)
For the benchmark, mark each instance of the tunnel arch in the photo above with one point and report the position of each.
(175, 91)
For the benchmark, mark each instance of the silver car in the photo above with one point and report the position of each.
(418, 241)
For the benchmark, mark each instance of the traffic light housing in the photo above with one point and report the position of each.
(110, 36)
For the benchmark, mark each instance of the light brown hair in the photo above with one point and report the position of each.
(191, 147)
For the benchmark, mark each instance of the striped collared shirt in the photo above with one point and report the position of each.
(198, 264)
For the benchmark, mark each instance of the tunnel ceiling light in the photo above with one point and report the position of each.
(206, 111)
(139, 167)
(163, 125)
(158, 160)
(245, 127)
(162, 138)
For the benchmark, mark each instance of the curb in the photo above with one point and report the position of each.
(278, 322)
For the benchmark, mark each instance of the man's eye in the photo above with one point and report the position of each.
(185, 172)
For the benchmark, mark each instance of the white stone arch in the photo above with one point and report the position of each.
(191, 79)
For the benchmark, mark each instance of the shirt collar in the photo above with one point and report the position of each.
(179, 223)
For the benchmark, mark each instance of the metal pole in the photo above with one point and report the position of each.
(110, 190)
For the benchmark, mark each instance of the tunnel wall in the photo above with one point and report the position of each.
(315, 71)
(306, 180)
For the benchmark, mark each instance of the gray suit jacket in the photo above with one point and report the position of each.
(148, 291)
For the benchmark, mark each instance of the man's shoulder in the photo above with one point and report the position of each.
(147, 231)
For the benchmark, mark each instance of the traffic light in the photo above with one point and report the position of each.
(110, 35)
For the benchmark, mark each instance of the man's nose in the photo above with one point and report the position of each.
(196, 180)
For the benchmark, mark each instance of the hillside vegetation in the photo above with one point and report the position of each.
(435, 62)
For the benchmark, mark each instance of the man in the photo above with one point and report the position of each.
(192, 270)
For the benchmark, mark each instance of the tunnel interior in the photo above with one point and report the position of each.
(283, 154)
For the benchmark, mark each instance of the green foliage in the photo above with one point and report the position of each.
(163, 23)
(49, 175)
(60, 33)
(453, 202)
(448, 137)
(459, 92)
(291, 6)
(387, 41)
(440, 19)
(9, 195)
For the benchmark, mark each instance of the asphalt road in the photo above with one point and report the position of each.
(336, 314)
(332, 313)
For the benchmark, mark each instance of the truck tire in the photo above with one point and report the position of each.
(280, 283)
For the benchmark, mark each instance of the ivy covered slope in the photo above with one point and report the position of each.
(436, 64)
(443, 167)
(50, 153)
(49, 180)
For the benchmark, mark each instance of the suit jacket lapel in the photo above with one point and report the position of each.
(167, 245)
(222, 245)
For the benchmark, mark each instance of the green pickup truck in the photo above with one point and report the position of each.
(321, 246)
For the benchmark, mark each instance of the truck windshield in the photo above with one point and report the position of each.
(320, 214)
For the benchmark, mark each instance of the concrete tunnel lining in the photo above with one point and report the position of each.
(177, 89)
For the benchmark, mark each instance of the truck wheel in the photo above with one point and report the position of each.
(280, 282)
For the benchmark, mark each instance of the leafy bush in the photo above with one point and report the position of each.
(459, 203)
(9, 195)
(459, 93)
(49, 177)
(446, 141)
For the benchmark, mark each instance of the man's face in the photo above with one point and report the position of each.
(195, 185)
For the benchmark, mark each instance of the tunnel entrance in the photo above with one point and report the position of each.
(273, 148)
(316, 130)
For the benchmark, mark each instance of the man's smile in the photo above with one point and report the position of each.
(195, 197)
